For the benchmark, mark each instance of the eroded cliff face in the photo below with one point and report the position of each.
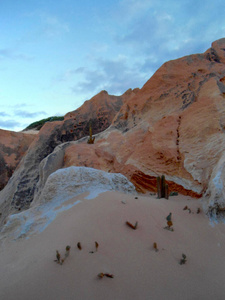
(174, 126)
(100, 110)
(19, 192)
(13, 146)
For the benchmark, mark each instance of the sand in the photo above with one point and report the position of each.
(28, 270)
(31, 131)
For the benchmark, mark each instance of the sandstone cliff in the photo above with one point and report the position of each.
(100, 110)
(19, 192)
(174, 125)
(13, 146)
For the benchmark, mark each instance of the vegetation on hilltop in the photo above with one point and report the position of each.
(38, 124)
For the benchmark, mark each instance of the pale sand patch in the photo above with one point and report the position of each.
(28, 270)
(30, 131)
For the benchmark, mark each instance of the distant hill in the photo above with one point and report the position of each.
(38, 124)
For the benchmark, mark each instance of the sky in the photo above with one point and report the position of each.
(54, 55)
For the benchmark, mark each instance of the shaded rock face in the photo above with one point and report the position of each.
(174, 126)
(100, 110)
(13, 146)
(19, 192)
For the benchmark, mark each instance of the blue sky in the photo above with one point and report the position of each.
(54, 55)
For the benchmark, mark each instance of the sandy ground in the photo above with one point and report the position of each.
(28, 270)
(31, 131)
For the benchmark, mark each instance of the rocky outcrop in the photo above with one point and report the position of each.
(100, 110)
(19, 192)
(13, 146)
(174, 126)
(215, 206)
(60, 187)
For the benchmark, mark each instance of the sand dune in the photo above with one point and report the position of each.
(28, 270)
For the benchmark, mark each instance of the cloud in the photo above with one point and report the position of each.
(170, 29)
(12, 54)
(149, 34)
(113, 75)
(27, 114)
(3, 114)
(9, 124)
(68, 74)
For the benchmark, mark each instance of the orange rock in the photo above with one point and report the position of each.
(174, 125)
(13, 146)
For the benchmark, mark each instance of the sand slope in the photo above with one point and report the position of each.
(28, 270)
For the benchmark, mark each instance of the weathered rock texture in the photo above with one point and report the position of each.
(13, 146)
(19, 192)
(100, 110)
(174, 126)
(61, 186)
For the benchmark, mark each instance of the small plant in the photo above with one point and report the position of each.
(96, 246)
(109, 275)
(155, 247)
(183, 260)
(166, 191)
(67, 251)
(79, 246)
(159, 187)
(90, 140)
(162, 188)
(60, 260)
(101, 275)
(169, 222)
(131, 225)
(58, 257)
(198, 210)
(169, 217)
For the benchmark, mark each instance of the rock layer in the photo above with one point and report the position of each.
(174, 126)
(13, 146)
(19, 192)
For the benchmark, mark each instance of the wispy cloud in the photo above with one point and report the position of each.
(3, 114)
(151, 32)
(13, 54)
(27, 114)
(9, 124)
(170, 29)
(68, 74)
(17, 118)
(115, 76)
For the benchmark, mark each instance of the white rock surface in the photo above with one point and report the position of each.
(69, 182)
(61, 186)
(216, 188)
